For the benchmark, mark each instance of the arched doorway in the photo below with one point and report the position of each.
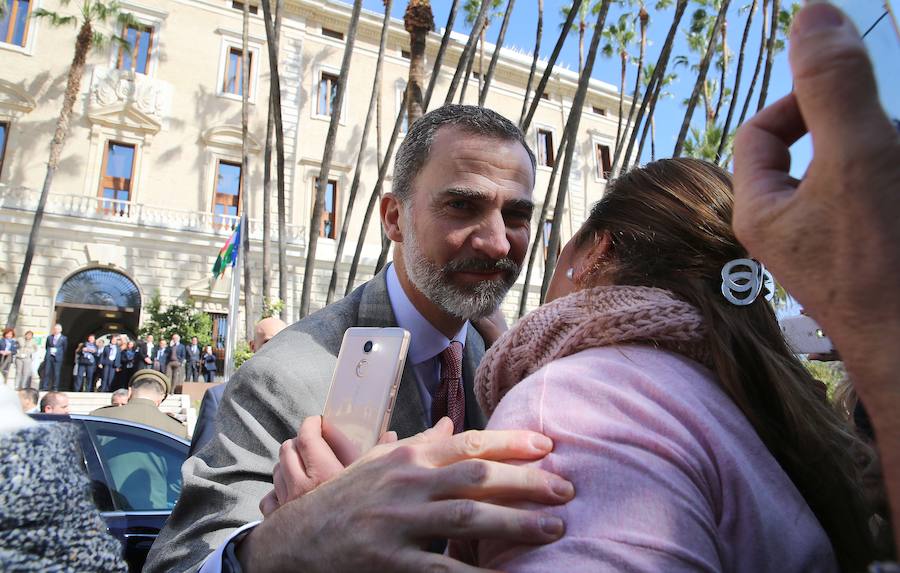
(96, 301)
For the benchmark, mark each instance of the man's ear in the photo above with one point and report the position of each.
(390, 217)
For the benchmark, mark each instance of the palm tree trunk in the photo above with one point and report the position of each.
(581, 29)
(83, 44)
(548, 69)
(481, 59)
(418, 21)
(770, 55)
(652, 139)
(510, 4)
(644, 18)
(759, 60)
(245, 165)
(724, 71)
(274, 101)
(534, 60)
(360, 158)
(279, 161)
(701, 79)
(538, 240)
(737, 84)
(624, 61)
(467, 53)
(658, 74)
(319, 206)
(657, 89)
(470, 62)
(376, 194)
(572, 131)
(439, 59)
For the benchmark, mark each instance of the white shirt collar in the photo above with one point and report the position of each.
(425, 341)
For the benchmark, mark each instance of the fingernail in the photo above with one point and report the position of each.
(541, 443)
(816, 17)
(562, 488)
(552, 526)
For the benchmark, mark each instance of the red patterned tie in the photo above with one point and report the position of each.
(450, 399)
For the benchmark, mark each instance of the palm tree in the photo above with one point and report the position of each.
(770, 55)
(643, 19)
(473, 10)
(376, 194)
(619, 38)
(701, 77)
(360, 158)
(782, 25)
(580, 28)
(759, 61)
(539, 31)
(722, 64)
(92, 15)
(468, 52)
(649, 100)
(489, 76)
(274, 131)
(439, 59)
(737, 82)
(659, 94)
(571, 132)
(548, 69)
(704, 144)
(418, 21)
(245, 165)
(322, 182)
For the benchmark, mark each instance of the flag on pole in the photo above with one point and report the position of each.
(228, 253)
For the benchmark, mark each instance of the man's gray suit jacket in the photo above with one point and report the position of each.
(263, 406)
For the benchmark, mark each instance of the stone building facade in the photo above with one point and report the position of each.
(147, 192)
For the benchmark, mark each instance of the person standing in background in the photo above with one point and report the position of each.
(56, 349)
(86, 358)
(110, 362)
(24, 365)
(194, 353)
(145, 351)
(98, 373)
(8, 347)
(129, 365)
(177, 357)
(162, 356)
(209, 364)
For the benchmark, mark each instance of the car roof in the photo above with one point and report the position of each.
(115, 421)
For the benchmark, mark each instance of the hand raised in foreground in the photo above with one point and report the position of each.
(382, 511)
(832, 239)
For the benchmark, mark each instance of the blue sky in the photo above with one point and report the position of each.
(670, 112)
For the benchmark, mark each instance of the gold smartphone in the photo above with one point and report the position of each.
(363, 389)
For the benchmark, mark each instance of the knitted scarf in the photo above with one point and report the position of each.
(48, 522)
(599, 316)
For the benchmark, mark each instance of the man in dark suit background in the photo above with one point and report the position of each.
(146, 348)
(194, 354)
(110, 363)
(459, 214)
(56, 349)
(177, 357)
(162, 356)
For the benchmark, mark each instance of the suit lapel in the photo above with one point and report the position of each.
(375, 310)
(475, 418)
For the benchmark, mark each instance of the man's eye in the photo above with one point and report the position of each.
(458, 204)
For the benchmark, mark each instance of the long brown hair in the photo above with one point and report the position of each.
(670, 225)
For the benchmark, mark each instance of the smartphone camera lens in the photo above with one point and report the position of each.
(367, 347)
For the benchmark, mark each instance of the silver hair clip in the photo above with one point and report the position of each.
(570, 273)
(751, 281)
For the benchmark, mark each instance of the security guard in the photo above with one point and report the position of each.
(148, 389)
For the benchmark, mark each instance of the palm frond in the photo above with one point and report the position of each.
(56, 19)
(99, 40)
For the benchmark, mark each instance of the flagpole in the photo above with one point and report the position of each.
(234, 300)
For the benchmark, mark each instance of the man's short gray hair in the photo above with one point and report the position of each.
(413, 152)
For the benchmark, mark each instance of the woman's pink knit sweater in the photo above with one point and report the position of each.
(669, 475)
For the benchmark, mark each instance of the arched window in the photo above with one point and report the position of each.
(99, 287)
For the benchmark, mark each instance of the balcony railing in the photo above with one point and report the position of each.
(99, 208)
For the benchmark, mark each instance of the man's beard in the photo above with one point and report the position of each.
(466, 302)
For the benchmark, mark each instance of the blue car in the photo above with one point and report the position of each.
(135, 473)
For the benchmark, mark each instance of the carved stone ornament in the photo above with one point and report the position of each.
(111, 87)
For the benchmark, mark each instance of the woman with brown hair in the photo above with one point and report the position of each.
(694, 437)
(8, 348)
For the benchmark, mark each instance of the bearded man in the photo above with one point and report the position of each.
(459, 215)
